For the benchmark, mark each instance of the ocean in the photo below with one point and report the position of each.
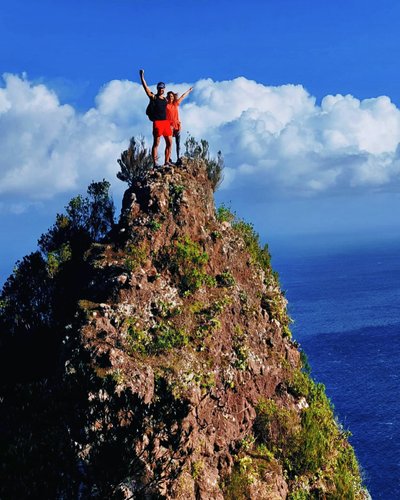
(346, 311)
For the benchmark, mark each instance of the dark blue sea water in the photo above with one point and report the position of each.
(346, 308)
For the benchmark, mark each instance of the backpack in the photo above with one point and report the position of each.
(151, 109)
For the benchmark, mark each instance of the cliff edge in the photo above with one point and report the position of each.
(174, 374)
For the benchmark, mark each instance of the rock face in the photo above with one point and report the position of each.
(177, 376)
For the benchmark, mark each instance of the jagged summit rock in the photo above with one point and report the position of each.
(178, 377)
(191, 316)
(182, 194)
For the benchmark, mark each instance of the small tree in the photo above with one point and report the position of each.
(25, 301)
(135, 162)
(201, 151)
(87, 219)
(101, 210)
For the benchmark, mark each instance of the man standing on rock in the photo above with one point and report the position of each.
(157, 112)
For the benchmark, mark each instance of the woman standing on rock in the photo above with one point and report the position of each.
(173, 102)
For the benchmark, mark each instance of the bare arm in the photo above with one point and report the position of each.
(184, 95)
(145, 86)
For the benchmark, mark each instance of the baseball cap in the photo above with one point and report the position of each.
(161, 85)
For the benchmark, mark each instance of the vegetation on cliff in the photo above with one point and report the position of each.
(152, 358)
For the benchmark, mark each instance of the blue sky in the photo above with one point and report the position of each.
(329, 47)
(301, 96)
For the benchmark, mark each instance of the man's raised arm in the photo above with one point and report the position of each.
(145, 86)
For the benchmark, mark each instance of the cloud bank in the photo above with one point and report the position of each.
(277, 141)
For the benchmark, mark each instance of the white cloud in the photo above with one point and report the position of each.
(48, 148)
(276, 140)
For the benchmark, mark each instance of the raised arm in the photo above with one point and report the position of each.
(145, 86)
(180, 99)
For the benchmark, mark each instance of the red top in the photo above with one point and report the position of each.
(173, 115)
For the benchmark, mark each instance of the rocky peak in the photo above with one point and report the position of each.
(180, 373)
(180, 196)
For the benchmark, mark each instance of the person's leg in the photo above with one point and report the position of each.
(177, 135)
(168, 148)
(154, 149)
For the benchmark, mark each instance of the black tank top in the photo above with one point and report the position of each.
(160, 108)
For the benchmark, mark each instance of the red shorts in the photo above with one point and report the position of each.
(162, 128)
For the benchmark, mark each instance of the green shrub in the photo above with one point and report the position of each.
(300, 495)
(175, 196)
(166, 337)
(216, 235)
(135, 162)
(135, 256)
(197, 469)
(188, 253)
(242, 356)
(208, 320)
(189, 261)
(304, 444)
(206, 380)
(165, 310)
(218, 306)
(258, 255)
(214, 166)
(116, 376)
(58, 257)
(299, 384)
(246, 471)
(314, 436)
(318, 429)
(312, 448)
(240, 349)
(346, 474)
(138, 340)
(275, 305)
(155, 225)
(225, 279)
(163, 336)
(252, 241)
(277, 427)
(238, 484)
(224, 214)
(305, 365)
